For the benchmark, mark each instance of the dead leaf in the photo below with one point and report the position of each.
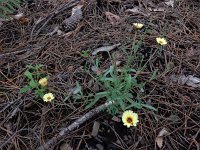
(1, 48)
(95, 129)
(137, 10)
(159, 138)
(105, 49)
(170, 3)
(24, 21)
(159, 9)
(114, 19)
(116, 119)
(65, 146)
(188, 80)
(134, 10)
(18, 16)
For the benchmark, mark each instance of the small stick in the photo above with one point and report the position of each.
(57, 138)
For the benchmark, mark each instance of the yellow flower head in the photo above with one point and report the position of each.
(138, 25)
(130, 118)
(48, 97)
(161, 41)
(43, 82)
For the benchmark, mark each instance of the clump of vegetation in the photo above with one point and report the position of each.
(36, 80)
(8, 7)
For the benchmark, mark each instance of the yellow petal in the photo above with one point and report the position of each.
(48, 97)
(138, 25)
(161, 41)
(129, 118)
(43, 82)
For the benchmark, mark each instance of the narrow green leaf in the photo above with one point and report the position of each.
(33, 84)
(15, 2)
(106, 79)
(40, 93)
(149, 107)
(134, 104)
(153, 75)
(28, 74)
(38, 66)
(4, 16)
(24, 89)
(92, 103)
(102, 94)
(121, 103)
(7, 10)
(10, 6)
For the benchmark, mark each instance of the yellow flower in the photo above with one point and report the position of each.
(138, 25)
(43, 82)
(130, 118)
(161, 41)
(48, 97)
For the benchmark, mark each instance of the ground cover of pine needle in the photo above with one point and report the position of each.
(26, 122)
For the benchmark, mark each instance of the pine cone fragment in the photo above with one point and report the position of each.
(71, 23)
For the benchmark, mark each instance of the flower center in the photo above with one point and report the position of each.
(129, 120)
(49, 98)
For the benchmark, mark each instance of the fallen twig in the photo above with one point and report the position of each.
(57, 138)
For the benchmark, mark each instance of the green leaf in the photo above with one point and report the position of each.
(121, 103)
(16, 3)
(134, 104)
(24, 89)
(40, 93)
(92, 103)
(153, 75)
(10, 6)
(149, 107)
(33, 84)
(7, 10)
(4, 16)
(28, 74)
(38, 66)
(102, 94)
(103, 79)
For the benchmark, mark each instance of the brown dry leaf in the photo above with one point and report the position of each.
(137, 10)
(170, 3)
(65, 146)
(24, 21)
(188, 80)
(159, 138)
(105, 48)
(1, 48)
(114, 19)
(95, 129)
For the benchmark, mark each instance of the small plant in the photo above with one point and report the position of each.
(8, 7)
(35, 80)
(85, 54)
(122, 87)
(118, 90)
